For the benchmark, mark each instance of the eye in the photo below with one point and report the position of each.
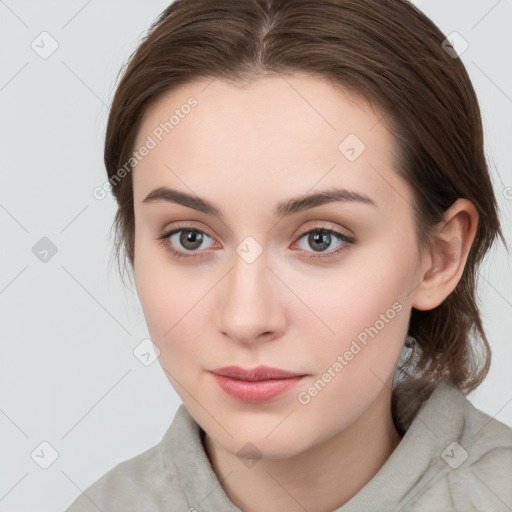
(189, 242)
(187, 239)
(321, 238)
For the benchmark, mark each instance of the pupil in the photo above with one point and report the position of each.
(192, 237)
(322, 238)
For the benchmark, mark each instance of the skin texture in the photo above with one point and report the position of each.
(245, 149)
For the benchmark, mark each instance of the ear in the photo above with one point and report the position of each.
(442, 269)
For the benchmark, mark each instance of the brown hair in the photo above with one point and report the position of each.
(384, 51)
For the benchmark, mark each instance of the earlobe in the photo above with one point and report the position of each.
(448, 256)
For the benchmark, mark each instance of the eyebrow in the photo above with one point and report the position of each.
(283, 209)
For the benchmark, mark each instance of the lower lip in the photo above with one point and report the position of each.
(256, 391)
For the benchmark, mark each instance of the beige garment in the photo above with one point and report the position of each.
(453, 457)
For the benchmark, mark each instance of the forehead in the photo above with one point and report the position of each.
(285, 132)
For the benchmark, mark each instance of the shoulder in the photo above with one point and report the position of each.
(488, 443)
(127, 486)
(461, 457)
(486, 437)
(169, 476)
(146, 482)
(479, 460)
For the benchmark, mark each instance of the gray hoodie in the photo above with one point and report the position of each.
(453, 457)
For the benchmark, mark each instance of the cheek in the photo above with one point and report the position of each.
(361, 318)
(367, 312)
(173, 300)
(170, 301)
(158, 288)
(369, 317)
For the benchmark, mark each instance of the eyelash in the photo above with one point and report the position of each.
(317, 229)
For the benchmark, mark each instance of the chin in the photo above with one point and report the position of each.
(257, 443)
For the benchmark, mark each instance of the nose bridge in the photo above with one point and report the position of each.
(248, 306)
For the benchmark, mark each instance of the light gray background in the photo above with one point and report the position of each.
(68, 375)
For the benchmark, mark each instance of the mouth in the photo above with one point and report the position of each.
(255, 374)
(255, 385)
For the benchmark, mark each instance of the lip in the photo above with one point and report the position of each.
(255, 385)
(254, 374)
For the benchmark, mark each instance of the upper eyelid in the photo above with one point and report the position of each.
(166, 232)
(304, 231)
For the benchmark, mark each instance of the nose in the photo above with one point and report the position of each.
(250, 306)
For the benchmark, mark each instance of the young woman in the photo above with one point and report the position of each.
(304, 202)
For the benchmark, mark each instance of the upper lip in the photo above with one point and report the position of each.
(254, 374)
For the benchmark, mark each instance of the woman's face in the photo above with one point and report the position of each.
(258, 283)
